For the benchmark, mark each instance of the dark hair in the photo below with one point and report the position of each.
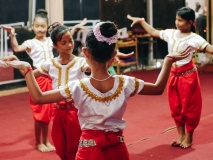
(101, 51)
(188, 14)
(42, 13)
(56, 31)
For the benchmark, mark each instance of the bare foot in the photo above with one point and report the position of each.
(42, 148)
(181, 132)
(50, 146)
(176, 143)
(187, 142)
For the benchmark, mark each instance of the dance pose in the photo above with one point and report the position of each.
(40, 50)
(184, 93)
(65, 68)
(101, 99)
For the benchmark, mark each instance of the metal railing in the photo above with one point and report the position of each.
(4, 36)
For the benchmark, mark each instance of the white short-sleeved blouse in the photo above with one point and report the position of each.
(62, 74)
(40, 51)
(102, 111)
(176, 44)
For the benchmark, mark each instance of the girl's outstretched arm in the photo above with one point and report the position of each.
(37, 95)
(209, 49)
(15, 58)
(11, 58)
(158, 87)
(152, 31)
(16, 47)
(79, 26)
(124, 55)
(3, 64)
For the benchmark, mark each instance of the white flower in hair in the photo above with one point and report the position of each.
(101, 38)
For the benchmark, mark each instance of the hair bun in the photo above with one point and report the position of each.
(41, 11)
(106, 32)
(108, 29)
(53, 26)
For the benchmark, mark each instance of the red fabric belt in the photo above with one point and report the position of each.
(104, 146)
(92, 143)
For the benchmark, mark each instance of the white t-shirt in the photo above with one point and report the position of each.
(39, 51)
(176, 44)
(102, 111)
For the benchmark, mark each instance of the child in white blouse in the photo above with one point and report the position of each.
(184, 93)
(63, 69)
(39, 50)
(101, 99)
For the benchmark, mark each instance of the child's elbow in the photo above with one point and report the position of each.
(15, 49)
(36, 100)
(159, 91)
